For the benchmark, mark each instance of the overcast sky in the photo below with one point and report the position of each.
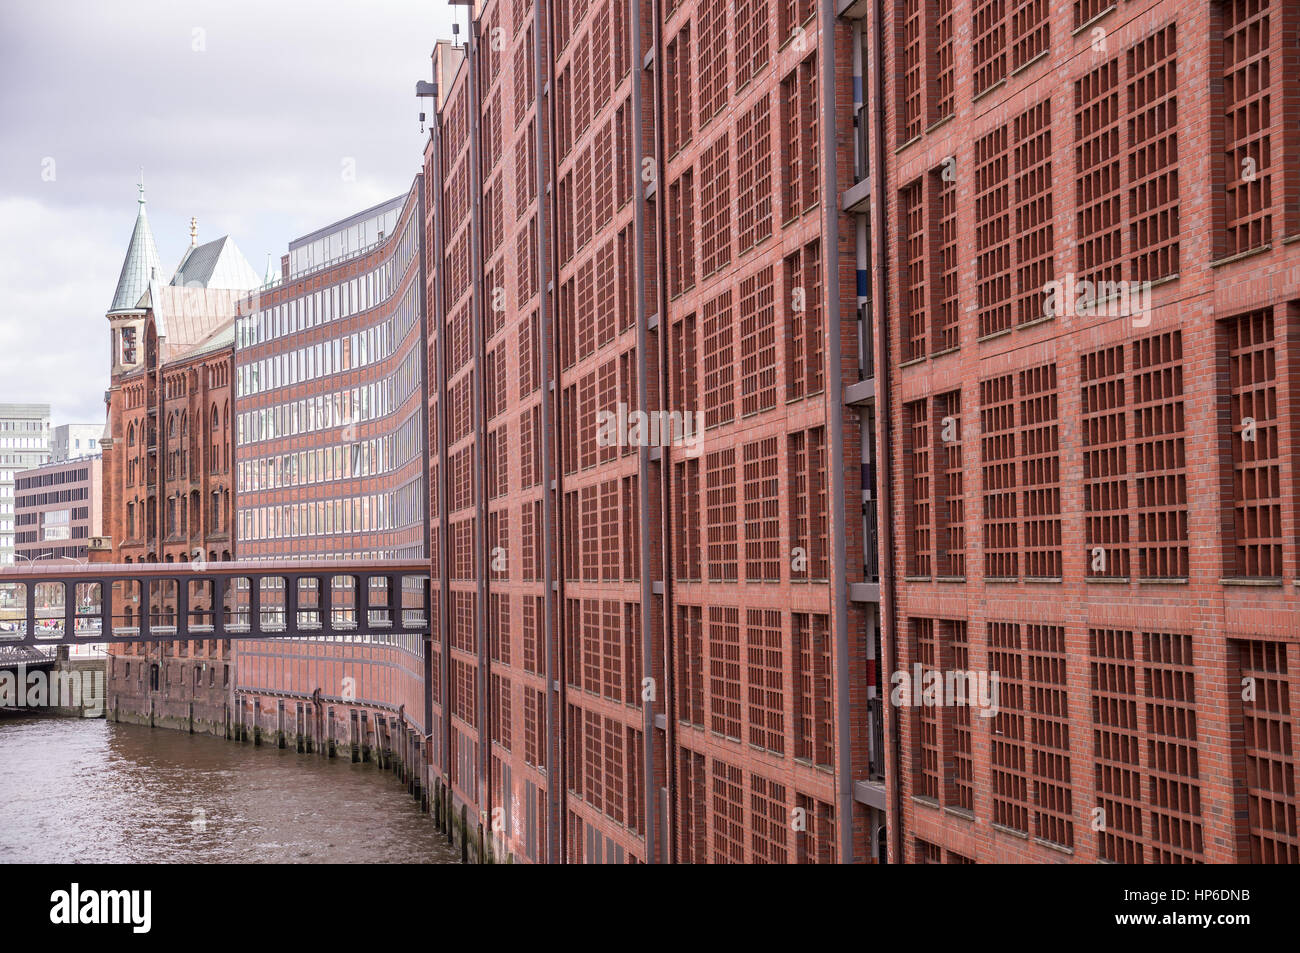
(242, 113)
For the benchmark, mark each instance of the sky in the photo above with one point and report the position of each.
(264, 120)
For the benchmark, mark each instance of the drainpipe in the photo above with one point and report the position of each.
(555, 780)
(884, 457)
(835, 411)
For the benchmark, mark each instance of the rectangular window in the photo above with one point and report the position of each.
(711, 59)
(724, 671)
(757, 343)
(720, 476)
(945, 313)
(728, 814)
(813, 715)
(762, 512)
(681, 254)
(917, 486)
(719, 362)
(1105, 462)
(998, 477)
(1153, 196)
(690, 665)
(808, 501)
(715, 206)
(799, 123)
(1252, 38)
(1097, 174)
(949, 489)
(912, 44)
(1268, 746)
(1252, 406)
(993, 232)
(961, 779)
(680, 79)
(926, 750)
(913, 296)
(1160, 457)
(803, 307)
(1035, 239)
(1123, 690)
(1040, 466)
(767, 818)
(754, 174)
(1008, 755)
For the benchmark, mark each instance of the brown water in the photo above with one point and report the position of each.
(82, 790)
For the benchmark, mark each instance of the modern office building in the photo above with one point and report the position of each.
(167, 464)
(69, 441)
(24, 443)
(657, 633)
(330, 449)
(58, 509)
(1092, 294)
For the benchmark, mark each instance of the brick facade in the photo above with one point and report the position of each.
(167, 488)
(329, 438)
(642, 655)
(1095, 503)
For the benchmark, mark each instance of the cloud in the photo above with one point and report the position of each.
(242, 114)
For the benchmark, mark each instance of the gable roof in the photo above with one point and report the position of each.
(217, 264)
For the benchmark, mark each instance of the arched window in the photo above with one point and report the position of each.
(184, 448)
(214, 449)
(130, 435)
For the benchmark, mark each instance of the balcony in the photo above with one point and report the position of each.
(871, 528)
(871, 791)
(876, 724)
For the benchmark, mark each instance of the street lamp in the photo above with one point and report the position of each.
(31, 559)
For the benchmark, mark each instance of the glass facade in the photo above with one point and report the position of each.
(329, 445)
(24, 443)
(345, 240)
(329, 382)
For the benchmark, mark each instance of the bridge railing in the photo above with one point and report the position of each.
(152, 602)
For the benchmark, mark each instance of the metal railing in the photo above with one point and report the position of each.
(51, 605)
(876, 724)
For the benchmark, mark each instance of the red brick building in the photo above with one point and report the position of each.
(642, 655)
(330, 429)
(167, 459)
(1092, 293)
(58, 509)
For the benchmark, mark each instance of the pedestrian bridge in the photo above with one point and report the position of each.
(162, 602)
(27, 656)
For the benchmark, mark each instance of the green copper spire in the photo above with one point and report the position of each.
(141, 262)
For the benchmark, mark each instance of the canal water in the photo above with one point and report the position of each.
(89, 791)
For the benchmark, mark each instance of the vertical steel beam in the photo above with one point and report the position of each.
(835, 411)
(543, 127)
(650, 787)
(444, 547)
(478, 318)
